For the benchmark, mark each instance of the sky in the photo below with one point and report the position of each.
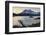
(18, 10)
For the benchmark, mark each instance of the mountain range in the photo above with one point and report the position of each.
(28, 12)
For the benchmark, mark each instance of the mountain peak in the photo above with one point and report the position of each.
(27, 11)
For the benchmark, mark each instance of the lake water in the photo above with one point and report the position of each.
(27, 20)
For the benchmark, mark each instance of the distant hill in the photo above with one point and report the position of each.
(28, 12)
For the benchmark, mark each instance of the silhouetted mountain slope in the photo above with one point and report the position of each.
(28, 13)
